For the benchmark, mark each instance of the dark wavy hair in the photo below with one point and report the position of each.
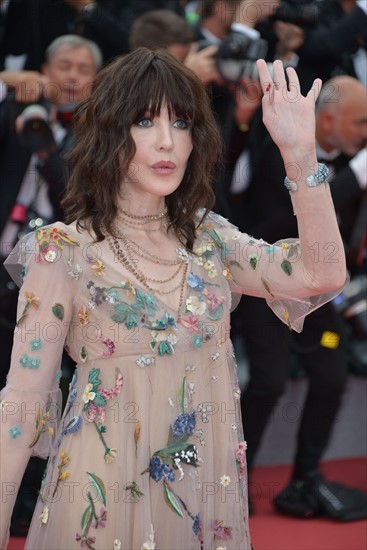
(104, 148)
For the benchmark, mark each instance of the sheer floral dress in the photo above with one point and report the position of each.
(149, 452)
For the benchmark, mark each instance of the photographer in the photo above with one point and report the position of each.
(35, 135)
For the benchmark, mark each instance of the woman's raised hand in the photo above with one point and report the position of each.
(288, 115)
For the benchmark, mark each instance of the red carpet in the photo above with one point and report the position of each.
(271, 531)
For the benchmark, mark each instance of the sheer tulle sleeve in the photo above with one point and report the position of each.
(273, 271)
(31, 399)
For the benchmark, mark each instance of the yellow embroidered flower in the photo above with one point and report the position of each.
(32, 299)
(50, 431)
(3, 405)
(64, 475)
(44, 516)
(83, 316)
(225, 480)
(285, 246)
(212, 273)
(209, 265)
(88, 395)
(110, 455)
(196, 306)
(227, 274)
(98, 266)
(203, 249)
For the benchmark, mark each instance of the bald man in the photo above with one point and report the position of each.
(321, 349)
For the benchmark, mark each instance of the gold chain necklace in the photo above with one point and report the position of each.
(144, 219)
(132, 246)
(184, 265)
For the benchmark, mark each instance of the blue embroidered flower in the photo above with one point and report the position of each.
(158, 470)
(195, 282)
(184, 424)
(15, 431)
(196, 525)
(36, 344)
(24, 360)
(34, 362)
(197, 341)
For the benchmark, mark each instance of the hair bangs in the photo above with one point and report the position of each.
(158, 86)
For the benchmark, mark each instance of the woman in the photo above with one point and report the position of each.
(149, 452)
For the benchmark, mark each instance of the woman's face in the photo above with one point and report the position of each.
(163, 146)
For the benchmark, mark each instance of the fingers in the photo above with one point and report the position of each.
(315, 89)
(264, 75)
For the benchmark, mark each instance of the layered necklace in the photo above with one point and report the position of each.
(128, 253)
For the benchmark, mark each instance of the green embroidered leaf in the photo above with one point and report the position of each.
(172, 500)
(287, 267)
(98, 486)
(123, 308)
(152, 345)
(181, 394)
(179, 444)
(132, 320)
(83, 354)
(86, 517)
(93, 377)
(119, 319)
(99, 401)
(165, 347)
(253, 261)
(59, 311)
(217, 314)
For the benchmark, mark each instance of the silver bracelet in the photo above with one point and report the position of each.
(311, 181)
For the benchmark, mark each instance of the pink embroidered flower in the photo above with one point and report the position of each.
(241, 457)
(212, 300)
(113, 392)
(110, 346)
(221, 531)
(85, 541)
(191, 322)
(101, 519)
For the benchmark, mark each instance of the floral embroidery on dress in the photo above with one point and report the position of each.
(222, 531)
(90, 518)
(15, 431)
(95, 402)
(62, 474)
(162, 333)
(41, 426)
(32, 301)
(178, 452)
(30, 362)
(109, 344)
(134, 490)
(59, 311)
(97, 266)
(50, 240)
(36, 344)
(83, 316)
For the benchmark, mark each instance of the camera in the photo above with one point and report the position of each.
(302, 13)
(236, 56)
(35, 132)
